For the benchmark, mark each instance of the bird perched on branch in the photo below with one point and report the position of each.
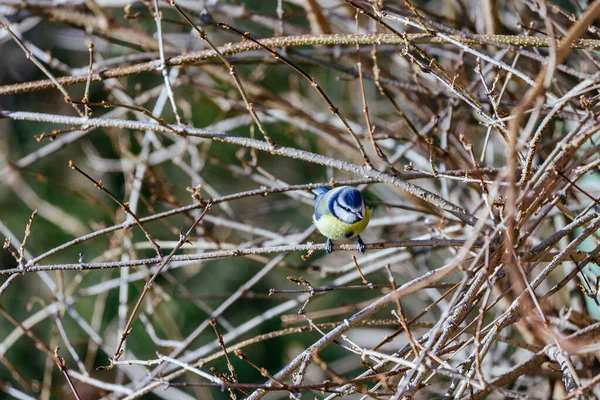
(340, 213)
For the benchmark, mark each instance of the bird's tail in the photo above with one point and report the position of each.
(321, 190)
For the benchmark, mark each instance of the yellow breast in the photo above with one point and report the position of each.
(333, 228)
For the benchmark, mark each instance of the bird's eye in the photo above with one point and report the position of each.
(343, 207)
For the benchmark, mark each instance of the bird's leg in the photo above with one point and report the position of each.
(329, 246)
(361, 245)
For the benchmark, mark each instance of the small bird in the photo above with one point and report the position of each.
(340, 213)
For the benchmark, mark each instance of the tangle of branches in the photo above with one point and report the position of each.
(156, 166)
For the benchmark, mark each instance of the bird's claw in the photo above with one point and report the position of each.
(329, 246)
(361, 245)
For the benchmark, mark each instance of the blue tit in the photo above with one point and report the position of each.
(340, 213)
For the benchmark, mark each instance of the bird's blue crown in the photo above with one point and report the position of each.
(352, 198)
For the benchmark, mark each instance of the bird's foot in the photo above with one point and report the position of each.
(361, 245)
(329, 246)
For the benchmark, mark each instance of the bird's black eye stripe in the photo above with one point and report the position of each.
(343, 208)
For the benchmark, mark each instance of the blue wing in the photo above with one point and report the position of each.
(321, 190)
(321, 206)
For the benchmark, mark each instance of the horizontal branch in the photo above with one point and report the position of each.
(237, 253)
(292, 41)
(576, 255)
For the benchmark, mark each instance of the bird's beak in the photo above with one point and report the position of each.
(360, 215)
